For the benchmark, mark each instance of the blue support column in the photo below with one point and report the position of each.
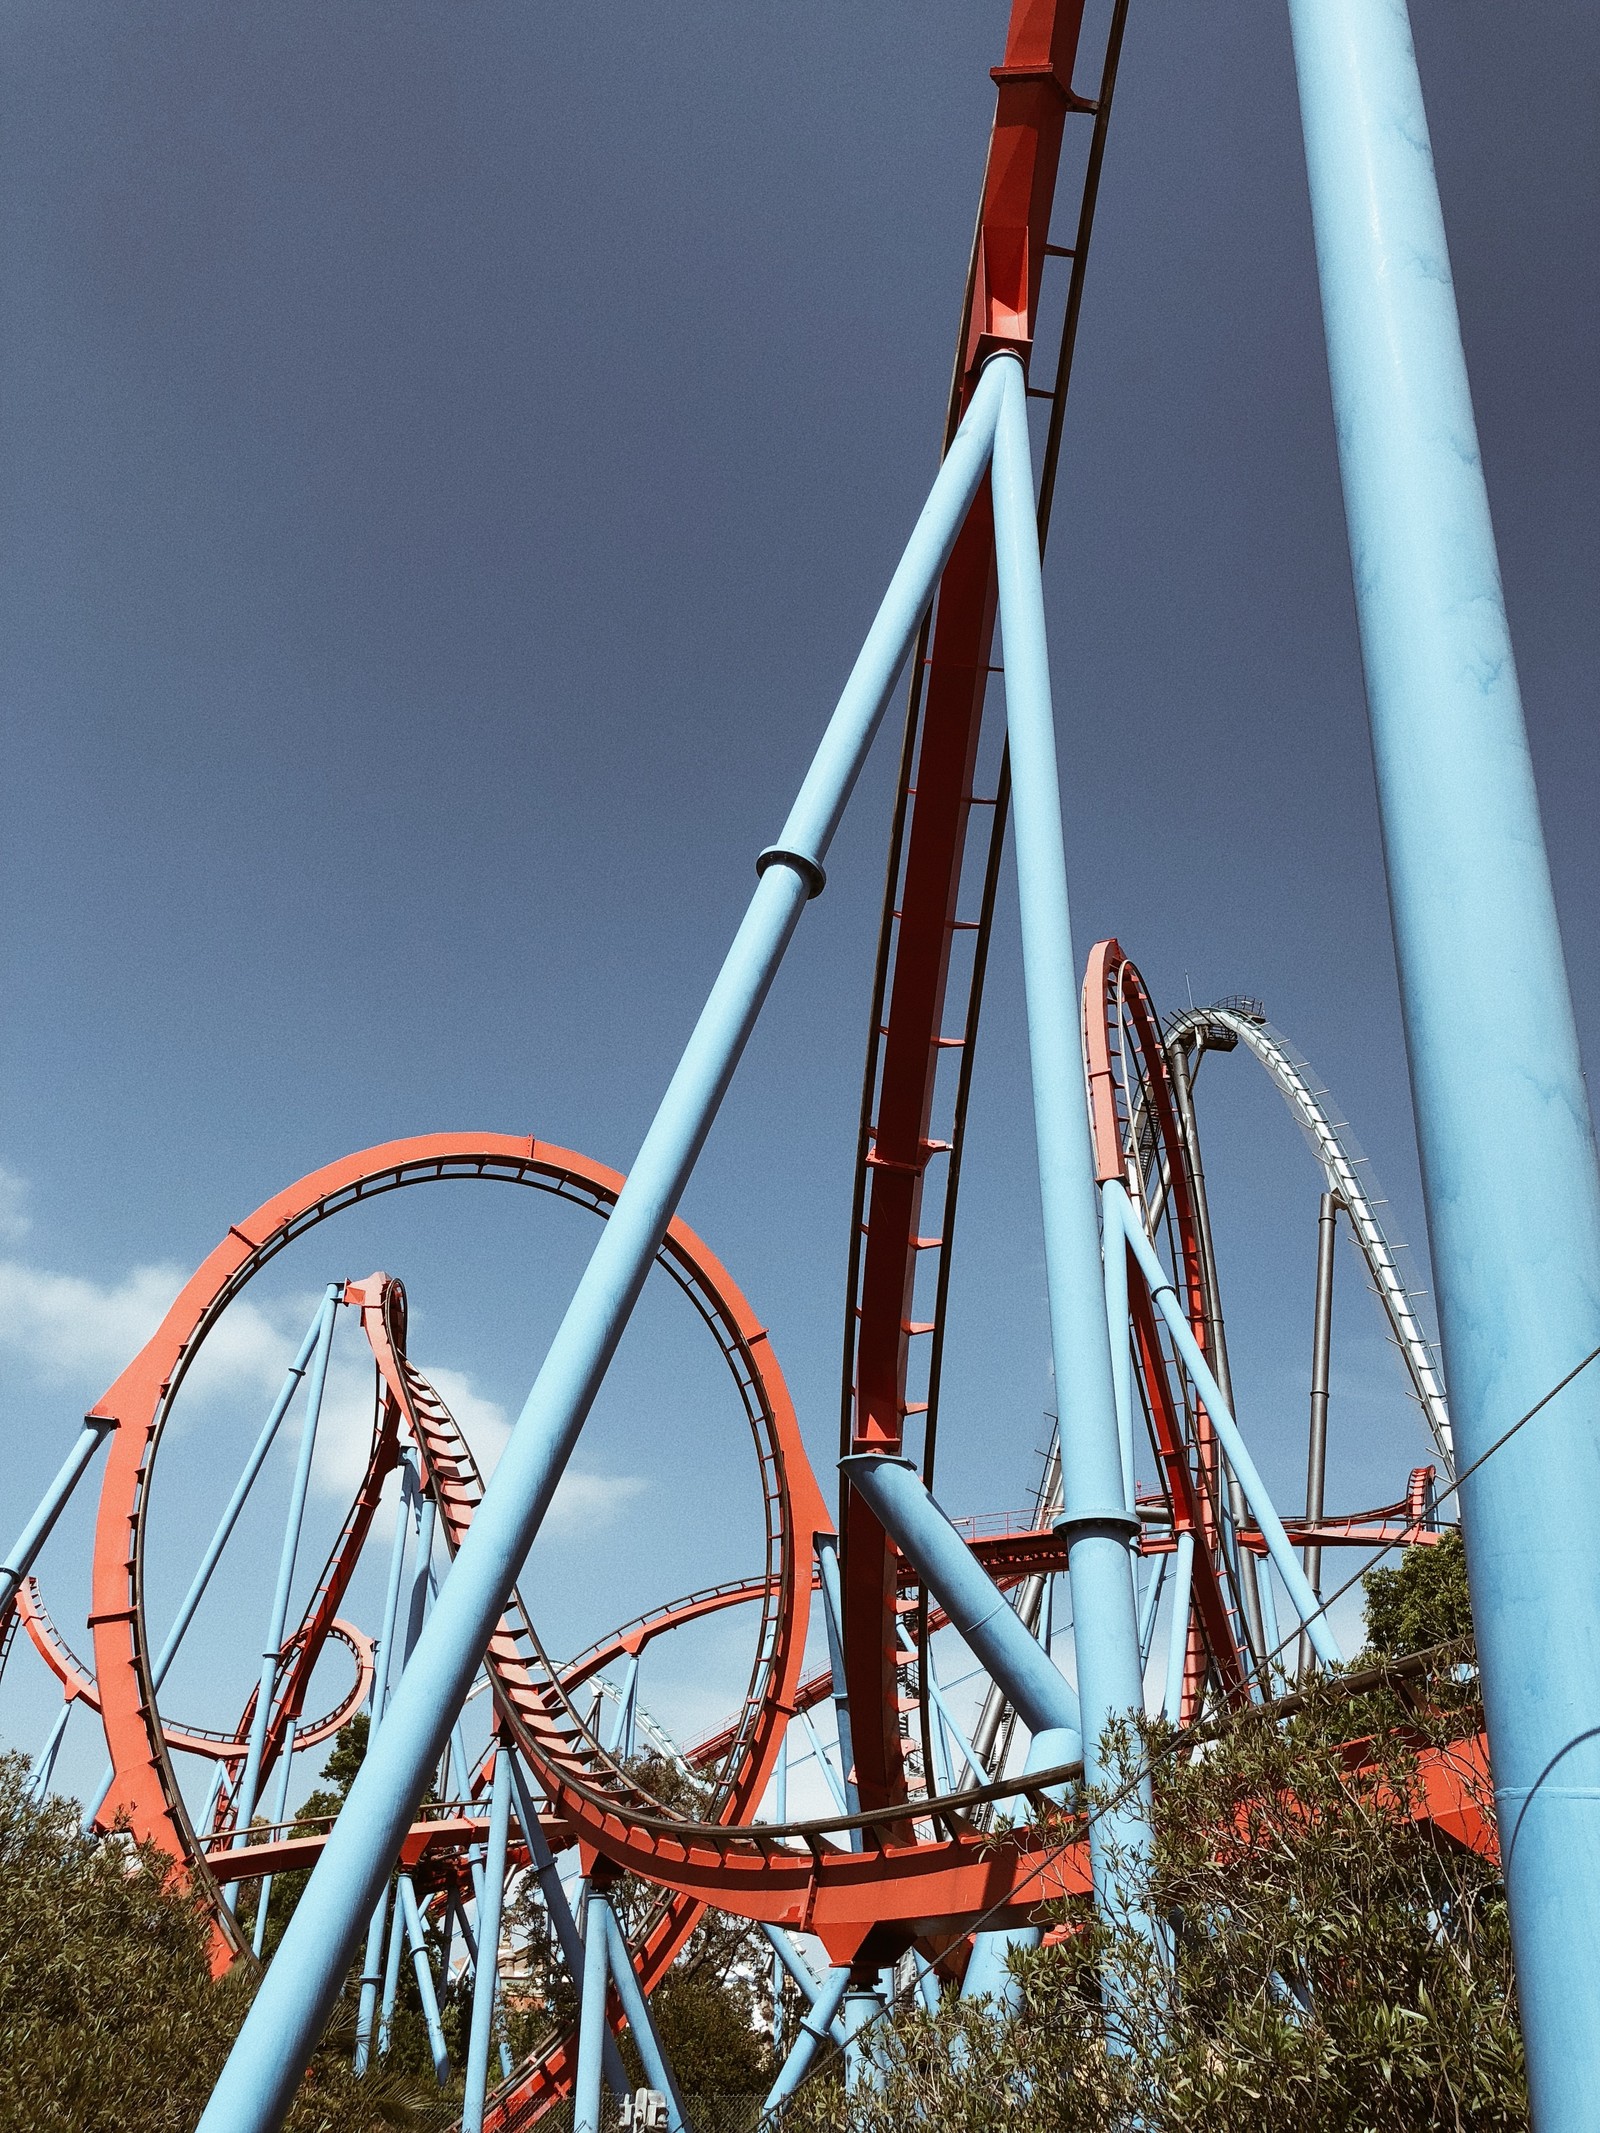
(294, 1999)
(559, 1911)
(280, 1809)
(781, 1814)
(981, 1616)
(224, 1530)
(863, 2004)
(1115, 1258)
(1192, 1357)
(827, 1546)
(815, 2028)
(44, 1768)
(486, 1966)
(786, 1956)
(391, 1973)
(1095, 1520)
(372, 1959)
(1149, 1608)
(20, 1555)
(658, 2074)
(622, 1727)
(415, 1934)
(978, 1610)
(592, 2026)
(1507, 1147)
(249, 1784)
(1178, 1638)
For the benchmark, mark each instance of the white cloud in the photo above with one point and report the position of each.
(77, 1332)
(15, 1222)
(584, 1502)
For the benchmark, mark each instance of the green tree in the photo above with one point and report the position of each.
(1422, 1601)
(110, 2018)
(1329, 1963)
(712, 2010)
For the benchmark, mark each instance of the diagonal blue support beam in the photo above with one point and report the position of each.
(634, 2005)
(486, 1965)
(19, 1558)
(277, 1619)
(298, 1992)
(816, 2027)
(559, 1910)
(978, 1610)
(1192, 1356)
(423, 1968)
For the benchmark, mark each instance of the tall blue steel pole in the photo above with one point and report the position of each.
(250, 1782)
(20, 1555)
(1507, 1147)
(383, 1671)
(288, 2012)
(1098, 1527)
(486, 1966)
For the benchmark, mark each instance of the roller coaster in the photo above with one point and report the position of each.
(1193, 1596)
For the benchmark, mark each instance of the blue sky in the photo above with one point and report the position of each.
(448, 457)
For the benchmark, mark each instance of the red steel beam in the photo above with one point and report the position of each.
(1034, 94)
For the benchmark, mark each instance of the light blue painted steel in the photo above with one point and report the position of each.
(786, 1956)
(1509, 1174)
(815, 2028)
(224, 1531)
(657, 2071)
(280, 1810)
(20, 1555)
(559, 1911)
(1178, 1632)
(294, 1998)
(1149, 1608)
(391, 1972)
(621, 1741)
(371, 1964)
(44, 1767)
(988, 1972)
(863, 2007)
(1269, 1622)
(780, 1776)
(1192, 1356)
(422, 1578)
(827, 1546)
(458, 1910)
(249, 1783)
(947, 1729)
(591, 2015)
(1115, 1259)
(819, 1748)
(1095, 1521)
(978, 1610)
(424, 1975)
(236, 1502)
(486, 1968)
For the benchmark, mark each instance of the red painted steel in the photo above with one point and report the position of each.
(79, 1685)
(1137, 1135)
(1034, 94)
